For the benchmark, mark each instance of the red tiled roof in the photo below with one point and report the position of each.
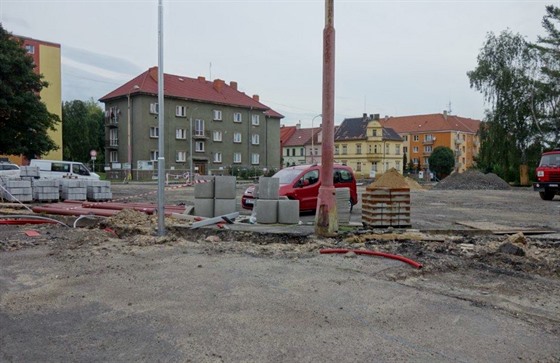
(299, 138)
(285, 133)
(198, 89)
(430, 123)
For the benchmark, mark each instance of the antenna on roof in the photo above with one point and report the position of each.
(210, 78)
(449, 108)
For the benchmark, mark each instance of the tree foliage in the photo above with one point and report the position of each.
(442, 161)
(24, 119)
(83, 130)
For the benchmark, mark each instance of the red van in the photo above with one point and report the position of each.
(302, 182)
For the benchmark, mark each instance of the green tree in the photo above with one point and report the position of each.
(442, 161)
(546, 112)
(24, 119)
(505, 74)
(83, 130)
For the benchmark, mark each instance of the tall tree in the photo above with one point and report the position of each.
(24, 119)
(442, 161)
(505, 75)
(547, 108)
(83, 130)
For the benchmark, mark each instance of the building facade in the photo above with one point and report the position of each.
(47, 59)
(423, 133)
(210, 124)
(368, 147)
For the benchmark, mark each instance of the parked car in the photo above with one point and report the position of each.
(302, 182)
(9, 170)
(55, 169)
(548, 175)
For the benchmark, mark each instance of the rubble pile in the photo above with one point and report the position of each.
(472, 180)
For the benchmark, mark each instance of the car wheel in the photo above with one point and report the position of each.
(546, 195)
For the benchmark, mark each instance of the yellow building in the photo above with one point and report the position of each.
(47, 59)
(368, 147)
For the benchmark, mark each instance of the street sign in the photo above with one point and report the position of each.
(93, 153)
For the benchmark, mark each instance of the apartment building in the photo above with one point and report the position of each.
(211, 124)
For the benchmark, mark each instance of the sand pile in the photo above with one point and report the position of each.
(472, 180)
(390, 179)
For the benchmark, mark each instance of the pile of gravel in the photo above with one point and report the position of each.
(472, 180)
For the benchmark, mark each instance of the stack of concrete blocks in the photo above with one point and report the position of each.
(343, 205)
(386, 207)
(17, 190)
(72, 189)
(29, 172)
(45, 190)
(224, 195)
(204, 197)
(266, 207)
(98, 190)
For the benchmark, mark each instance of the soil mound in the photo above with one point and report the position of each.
(413, 184)
(472, 180)
(390, 179)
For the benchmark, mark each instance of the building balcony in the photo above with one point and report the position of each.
(459, 141)
(427, 153)
(112, 144)
(112, 121)
(201, 135)
(458, 152)
(374, 157)
(429, 141)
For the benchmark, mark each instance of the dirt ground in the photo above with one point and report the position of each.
(507, 269)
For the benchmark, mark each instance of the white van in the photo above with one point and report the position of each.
(57, 169)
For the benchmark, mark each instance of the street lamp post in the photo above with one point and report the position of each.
(129, 133)
(312, 138)
(190, 143)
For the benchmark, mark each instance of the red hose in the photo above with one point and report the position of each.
(372, 253)
(24, 221)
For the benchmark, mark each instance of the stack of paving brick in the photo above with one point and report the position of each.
(45, 190)
(98, 190)
(29, 172)
(269, 208)
(214, 196)
(17, 190)
(72, 189)
(343, 205)
(386, 207)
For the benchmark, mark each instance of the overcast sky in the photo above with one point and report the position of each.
(394, 58)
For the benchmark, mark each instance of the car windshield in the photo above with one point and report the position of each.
(550, 160)
(287, 175)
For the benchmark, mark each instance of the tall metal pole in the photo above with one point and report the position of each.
(161, 124)
(326, 219)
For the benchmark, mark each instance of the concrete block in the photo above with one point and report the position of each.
(288, 211)
(267, 211)
(204, 207)
(204, 190)
(224, 206)
(268, 188)
(224, 187)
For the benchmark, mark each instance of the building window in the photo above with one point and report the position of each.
(397, 149)
(237, 137)
(369, 149)
(374, 166)
(255, 159)
(415, 161)
(217, 115)
(336, 149)
(154, 132)
(199, 127)
(374, 132)
(387, 152)
(415, 138)
(181, 111)
(255, 121)
(398, 165)
(154, 108)
(405, 149)
(301, 151)
(359, 166)
(344, 149)
(375, 149)
(180, 134)
(154, 154)
(217, 157)
(217, 136)
(181, 156)
(255, 139)
(199, 146)
(415, 149)
(429, 138)
(114, 137)
(428, 148)
(358, 149)
(30, 48)
(405, 137)
(237, 158)
(426, 162)
(113, 157)
(237, 117)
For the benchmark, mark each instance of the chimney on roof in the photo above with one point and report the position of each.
(364, 116)
(201, 78)
(218, 85)
(256, 98)
(445, 114)
(153, 73)
(298, 125)
(233, 85)
(376, 116)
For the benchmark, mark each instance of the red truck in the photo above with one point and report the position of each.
(548, 175)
